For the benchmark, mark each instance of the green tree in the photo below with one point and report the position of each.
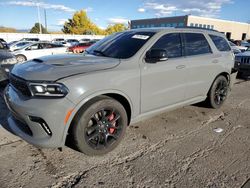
(36, 29)
(81, 24)
(115, 28)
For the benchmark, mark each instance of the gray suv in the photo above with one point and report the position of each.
(124, 78)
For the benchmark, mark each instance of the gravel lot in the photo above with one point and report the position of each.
(174, 149)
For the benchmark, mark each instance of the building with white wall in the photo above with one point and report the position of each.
(233, 30)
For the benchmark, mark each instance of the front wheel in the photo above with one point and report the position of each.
(21, 58)
(218, 92)
(100, 126)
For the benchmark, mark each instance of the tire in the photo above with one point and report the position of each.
(218, 92)
(21, 58)
(102, 118)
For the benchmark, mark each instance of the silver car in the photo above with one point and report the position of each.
(90, 99)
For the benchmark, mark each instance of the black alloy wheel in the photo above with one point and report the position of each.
(99, 126)
(103, 128)
(218, 92)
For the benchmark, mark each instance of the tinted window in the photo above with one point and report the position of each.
(196, 44)
(120, 45)
(220, 43)
(55, 45)
(33, 47)
(171, 43)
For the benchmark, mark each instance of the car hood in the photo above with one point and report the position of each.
(52, 68)
(244, 54)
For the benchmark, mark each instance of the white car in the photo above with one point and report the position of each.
(18, 45)
(237, 49)
(71, 42)
(38, 49)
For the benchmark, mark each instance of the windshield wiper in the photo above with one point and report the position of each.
(100, 52)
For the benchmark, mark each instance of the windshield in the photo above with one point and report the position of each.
(120, 45)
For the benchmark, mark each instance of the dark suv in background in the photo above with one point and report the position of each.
(7, 60)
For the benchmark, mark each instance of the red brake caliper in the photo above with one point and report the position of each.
(111, 117)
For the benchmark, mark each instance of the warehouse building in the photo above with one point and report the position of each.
(233, 30)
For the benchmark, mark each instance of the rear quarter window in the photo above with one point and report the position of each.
(196, 44)
(220, 43)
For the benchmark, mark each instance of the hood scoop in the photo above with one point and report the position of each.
(38, 60)
(51, 68)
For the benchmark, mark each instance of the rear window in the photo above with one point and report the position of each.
(196, 44)
(220, 43)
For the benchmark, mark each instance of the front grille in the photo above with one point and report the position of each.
(20, 85)
(245, 60)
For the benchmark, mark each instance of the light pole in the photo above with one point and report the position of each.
(45, 19)
(39, 18)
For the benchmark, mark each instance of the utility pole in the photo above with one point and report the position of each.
(39, 18)
(45, 17)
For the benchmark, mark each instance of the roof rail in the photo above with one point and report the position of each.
(191, 27)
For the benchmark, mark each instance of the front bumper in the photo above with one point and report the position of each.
(3, 74)
(52, 111)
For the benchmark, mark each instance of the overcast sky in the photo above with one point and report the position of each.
(22, 14)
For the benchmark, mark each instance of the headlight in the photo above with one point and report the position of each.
(48, 89)
(9, 61)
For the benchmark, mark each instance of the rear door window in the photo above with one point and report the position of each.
(196, 44)
(220, 43)
(171, 43)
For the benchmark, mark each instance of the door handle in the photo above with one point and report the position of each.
(215, 61)
(180, 66)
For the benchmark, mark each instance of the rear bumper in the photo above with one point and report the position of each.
(51, 111)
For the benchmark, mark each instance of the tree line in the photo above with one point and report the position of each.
(79, 24)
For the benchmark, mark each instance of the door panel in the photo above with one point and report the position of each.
(164, 83)
(202, 64)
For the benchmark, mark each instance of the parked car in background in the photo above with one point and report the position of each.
(81, 47)
(59, 41)
(17, 45)
(84, 40)
(245, 44)
(12, 42)
(90, 99)
(237, 49)
(30, 39)
(7, 60)
(38, 49)
(242, 62)
(71, 42)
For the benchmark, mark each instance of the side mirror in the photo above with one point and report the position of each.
(155, 55)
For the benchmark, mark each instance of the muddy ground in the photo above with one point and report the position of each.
(174, 149)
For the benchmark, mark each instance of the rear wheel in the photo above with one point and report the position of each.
(100, 126)
(218, 92)
(20, 58)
